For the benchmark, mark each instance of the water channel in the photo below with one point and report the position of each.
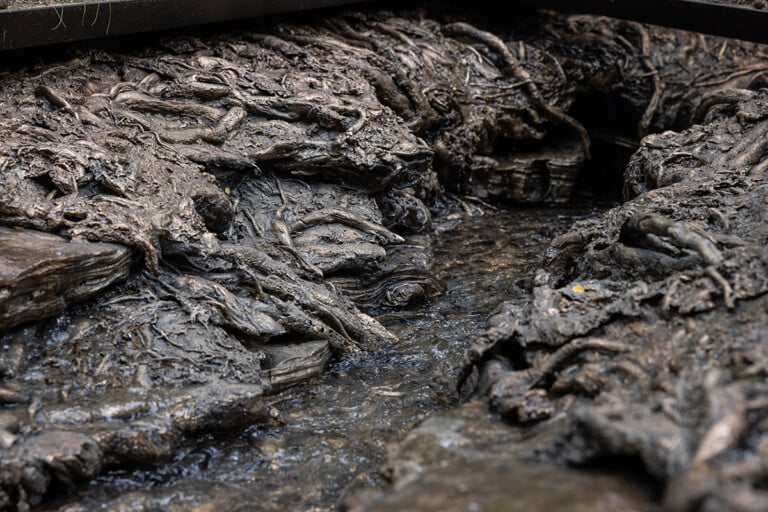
(336, 428)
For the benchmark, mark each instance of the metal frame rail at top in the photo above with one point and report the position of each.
(29, 23)
(24, 25)
(725, 19)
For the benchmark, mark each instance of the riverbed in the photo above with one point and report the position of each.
(336, 428)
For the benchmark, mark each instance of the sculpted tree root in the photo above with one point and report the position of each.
(678, 276)
(249, 172)
(513, 68)
(642, 340)
(242, 175)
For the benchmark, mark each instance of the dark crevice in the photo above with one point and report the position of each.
(612, 123)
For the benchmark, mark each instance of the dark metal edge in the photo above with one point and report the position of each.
(724, 20)
(46, 25)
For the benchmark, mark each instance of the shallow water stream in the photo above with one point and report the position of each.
(337, 427)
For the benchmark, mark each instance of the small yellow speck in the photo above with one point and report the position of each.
(226, 190)
(577, 288)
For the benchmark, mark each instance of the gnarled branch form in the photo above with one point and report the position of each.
(512, 66)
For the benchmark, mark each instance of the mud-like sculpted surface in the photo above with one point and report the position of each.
(647, 326)
(466, 459)
(642, 342)
(240, 175)
(41, 274)
(264, 184)
(335, 428)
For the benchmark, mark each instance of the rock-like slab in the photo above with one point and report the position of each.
(41, 274)
(466, 460)
(289, 364)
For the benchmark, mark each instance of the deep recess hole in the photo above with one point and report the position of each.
(612, 124)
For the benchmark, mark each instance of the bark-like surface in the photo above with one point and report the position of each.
(643, 339)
